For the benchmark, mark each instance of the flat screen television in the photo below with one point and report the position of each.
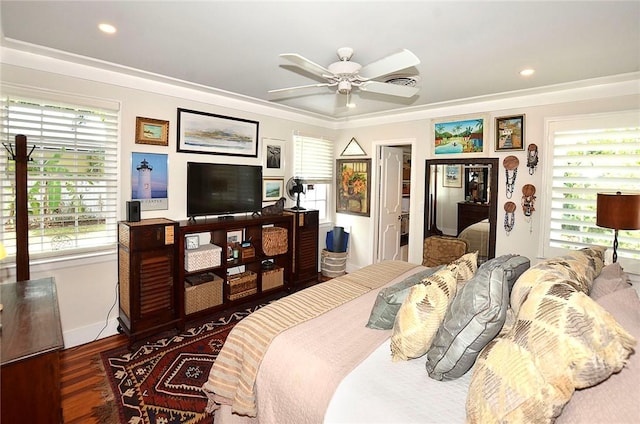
(223, 189)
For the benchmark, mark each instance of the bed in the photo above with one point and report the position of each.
(477, 237)
(310, 358)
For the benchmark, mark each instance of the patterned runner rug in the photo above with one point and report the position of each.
(160, 382)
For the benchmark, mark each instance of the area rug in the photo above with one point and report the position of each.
(160, 382)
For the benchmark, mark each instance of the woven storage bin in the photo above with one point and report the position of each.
(333, 264)
(202, 296)
(272, 278)
(275, 241)
(207, 256)
(242, 284)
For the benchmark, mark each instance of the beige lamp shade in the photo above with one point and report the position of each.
(620, 211)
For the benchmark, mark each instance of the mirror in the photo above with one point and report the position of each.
(461, 197)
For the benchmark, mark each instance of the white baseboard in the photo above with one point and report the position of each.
(89, 333)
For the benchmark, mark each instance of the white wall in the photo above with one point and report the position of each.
(86, 288)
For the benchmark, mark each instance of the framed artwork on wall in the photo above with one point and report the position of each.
(510, 133)
(353, 187)
(149, 180)
(272, 189)
(152, 131)
(452, 176)
(459, 136)
(273, 157)
(207, 133)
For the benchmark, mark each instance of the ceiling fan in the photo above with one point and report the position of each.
(347, 75)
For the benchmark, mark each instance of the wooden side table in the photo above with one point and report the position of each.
(31, 338)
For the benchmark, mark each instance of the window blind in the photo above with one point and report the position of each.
(72, 177)
(591, 155)
(313, 159)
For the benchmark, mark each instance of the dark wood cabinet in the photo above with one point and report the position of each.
(31, 340)
(470, 213)
(213, 278)
(305, 248)
(146, 277)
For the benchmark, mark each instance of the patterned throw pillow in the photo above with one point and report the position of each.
(389, 300)
(421, 314)
(476, 314)
(562, 340)
(578, 269)
(466, 266)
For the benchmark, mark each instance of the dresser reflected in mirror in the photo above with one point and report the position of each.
(461, 201)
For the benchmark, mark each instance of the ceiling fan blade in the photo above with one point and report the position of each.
(389, 89)
(306, 64)
(393, 63)
(301, 87)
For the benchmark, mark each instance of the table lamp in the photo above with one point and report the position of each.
(619, 211)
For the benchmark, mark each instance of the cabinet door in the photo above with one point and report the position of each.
(307, 246)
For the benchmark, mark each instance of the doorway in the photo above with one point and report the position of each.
(393, 201)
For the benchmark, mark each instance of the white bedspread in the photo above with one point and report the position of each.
(412, 397)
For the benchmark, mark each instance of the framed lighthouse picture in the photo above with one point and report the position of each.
(149, 180)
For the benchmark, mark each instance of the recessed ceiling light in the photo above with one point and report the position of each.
(107, 28)
(527, 72)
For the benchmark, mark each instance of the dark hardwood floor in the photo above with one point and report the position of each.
(83, 381)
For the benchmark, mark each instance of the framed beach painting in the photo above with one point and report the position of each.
(272, 189)
(460, 136)
(452, 176)
(152, 131)
(207, 133)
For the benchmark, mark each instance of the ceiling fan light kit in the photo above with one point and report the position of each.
(347, 75)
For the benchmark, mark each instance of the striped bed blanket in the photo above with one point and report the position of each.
(233, 375)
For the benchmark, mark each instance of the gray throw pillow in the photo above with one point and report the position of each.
(389, 300)
(476, 315)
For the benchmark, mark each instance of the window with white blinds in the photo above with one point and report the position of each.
(589, 155)
(71, 178)
(313, 159)
(313, 163)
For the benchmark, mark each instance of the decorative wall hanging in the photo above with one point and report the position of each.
(201, 132)
(273, 157)
(463, 136)
(353, 186)
(353, 149)
(532, 158)
(509, 216)
(528, 200)
(510, 133)
(152, 131)
(510, 164)
(452, 176)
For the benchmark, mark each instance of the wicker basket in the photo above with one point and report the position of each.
(242, 284)
(202, 296)
(272, 278)
(274, 241)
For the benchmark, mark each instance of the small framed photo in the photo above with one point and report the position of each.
(234, 237)
(452, 176)
(152, 131)
(510, 133)
(273, 157)
(272, 189)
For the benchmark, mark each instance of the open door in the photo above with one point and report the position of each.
(390, 203)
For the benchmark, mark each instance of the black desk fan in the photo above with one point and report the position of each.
(295, 186)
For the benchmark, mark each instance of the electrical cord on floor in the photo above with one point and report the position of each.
(106, 322)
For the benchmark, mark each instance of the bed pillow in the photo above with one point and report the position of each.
(476, 315)
(466, 266)
(389, 299)
(612, 278)
(421, 314)
(562, 340)
(616, 399)
(578, 268)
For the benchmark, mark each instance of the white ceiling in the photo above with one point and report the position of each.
(467, 49)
